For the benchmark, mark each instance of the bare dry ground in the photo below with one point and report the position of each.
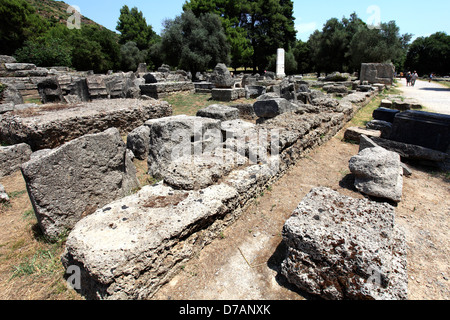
(243, 263)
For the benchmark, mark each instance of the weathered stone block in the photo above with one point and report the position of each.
(273, 107)
(385, 114)
(425, 129)
(138, 141)
(377, 73)
(341, 248)
(176, 137)
(222, 77)
(378, 173)
(219, 112)
(354, 133)
(131, 247)
(226, 95)
(12, 157)
(50, 129)
(74, 180)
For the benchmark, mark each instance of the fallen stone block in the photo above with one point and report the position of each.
(235, 128)
(219, 112)
(354, 133)
(70, 182)
(227, 94)
(52, 125)
(253, 92)
(222, 77)
(365, 143)
(131, 247)
(273, 107)
(378, 173)
(97, 87)
(138, 141)
(341, 248)
(383, 126)
(50, 91)
(201, 171)
(410, 151)
(181, 136)
(12, 157)
(385, 114)
(246, 111)
(425, 129)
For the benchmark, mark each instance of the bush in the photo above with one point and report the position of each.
(52, 52)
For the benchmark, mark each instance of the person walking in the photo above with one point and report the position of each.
(414, 78)
(408, 78)
(431, 78)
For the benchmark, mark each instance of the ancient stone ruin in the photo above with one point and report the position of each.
(127, 240)
(343, 248)
(377, 73)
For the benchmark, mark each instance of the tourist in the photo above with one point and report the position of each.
(414, 78)
(408, 78)
(431, 77)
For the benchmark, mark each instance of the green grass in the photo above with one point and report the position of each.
(365, 115)
(45, 261)
(189, 104)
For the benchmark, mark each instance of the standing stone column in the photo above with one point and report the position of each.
(280, 63)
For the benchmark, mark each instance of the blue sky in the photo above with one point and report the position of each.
(419, 17)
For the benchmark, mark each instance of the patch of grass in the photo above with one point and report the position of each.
(189, 104)
(365, 114)
(28, 214)
(16, 194)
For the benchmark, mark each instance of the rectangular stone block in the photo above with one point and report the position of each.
(71, 182)
(226, 95)
(425, 129)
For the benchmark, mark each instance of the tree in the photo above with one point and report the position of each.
(302, 55)
(230, 12)
(131, 56)
(344, 45)
(430, 54)
(329, 47)
(133, 27)
(19, 23)
(194, 43)
(378, 45)
(255, 29)
(47, 53)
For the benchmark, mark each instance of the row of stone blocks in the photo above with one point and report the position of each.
(132, 246)
(129, 247)
(163, 89)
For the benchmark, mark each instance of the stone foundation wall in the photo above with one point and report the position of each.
(52, 125)
(163, 89)
(147, 237)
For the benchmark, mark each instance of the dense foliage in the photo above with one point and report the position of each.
(344, 45)
(195, 44)
(430, 55)
(254, 28)
(240, 33)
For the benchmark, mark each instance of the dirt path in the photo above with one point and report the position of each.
(244, 263)
(433, 96)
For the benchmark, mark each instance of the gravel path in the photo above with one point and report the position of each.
(433, 96)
